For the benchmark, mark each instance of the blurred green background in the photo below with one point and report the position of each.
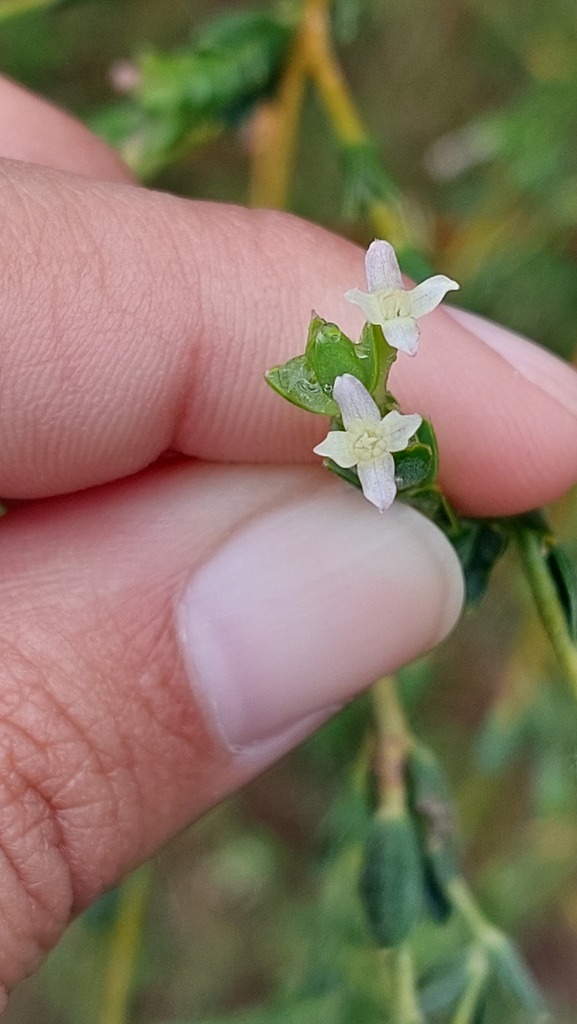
(473, 106)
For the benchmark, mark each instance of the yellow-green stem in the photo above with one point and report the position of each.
(124, 948)
(325, 71)
(548, 605)
(275, 128)
(478, 969)
(464, 903)
(328, 76)
(393, 741)
(405, 1007)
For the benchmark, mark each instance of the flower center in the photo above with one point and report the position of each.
(367, 441)
(394, 303)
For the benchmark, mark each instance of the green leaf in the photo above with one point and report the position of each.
(188, 96)
(516, 979)
(391, 882)
(232, 63)
(330, 354)
(415, 467)
(437, 902)
(379, 356)
(445, 984)
(366, 180)
(499, 741)
(297, 382)
(535, 520)
(431, 502)
(433, 808)
(350, 475)
(426, 435)
(372, 335)
(563, 574)
(479, 544)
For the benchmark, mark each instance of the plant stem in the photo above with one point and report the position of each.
(275, 128)
(327, 75)
(478, 968)
(124, 948)
(405, 1005)
(393, 741)
(463, 901)
(275, 125)
(348, 126)
(501, 954)
(548, 604)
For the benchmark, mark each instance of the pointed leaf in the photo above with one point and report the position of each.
(415, 467)
(433, 809)
(373, 351)
(445, 984)
(350, 475)
(479, 545)
(296, 382)
(426, 435)
(515, 977)
(499, 742)
(437, 903)
(331, 354)
(564, 576)
(365, 179)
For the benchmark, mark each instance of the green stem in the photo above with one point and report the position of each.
(466, 906)
(124, 948)
(548, 604)
(394, 740)
(388, 219)
(276, 127)
(478, 968)
(501, 953)
(405, 1004)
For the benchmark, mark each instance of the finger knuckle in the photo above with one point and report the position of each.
(54, 802)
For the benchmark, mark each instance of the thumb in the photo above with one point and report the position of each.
(164, 639)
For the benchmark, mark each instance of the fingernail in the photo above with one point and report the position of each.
(536, 364)
(299, 611)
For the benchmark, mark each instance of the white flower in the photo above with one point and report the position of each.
(394, 307)
(367, 440)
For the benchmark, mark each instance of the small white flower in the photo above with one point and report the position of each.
(394, 307)
(367, 440)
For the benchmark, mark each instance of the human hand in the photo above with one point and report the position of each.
(149, 609)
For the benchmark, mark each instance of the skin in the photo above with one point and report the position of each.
(135, 324)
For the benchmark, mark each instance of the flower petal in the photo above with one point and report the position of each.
(402, 333)
(354, 400)
(427, 295)
(378, 481)
(337, 446)
(369, 304)
(399, 429)
(381, 267)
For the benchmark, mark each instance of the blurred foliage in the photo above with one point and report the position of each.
(254, 915)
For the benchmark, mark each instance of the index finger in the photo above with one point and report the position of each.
(133, 322)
